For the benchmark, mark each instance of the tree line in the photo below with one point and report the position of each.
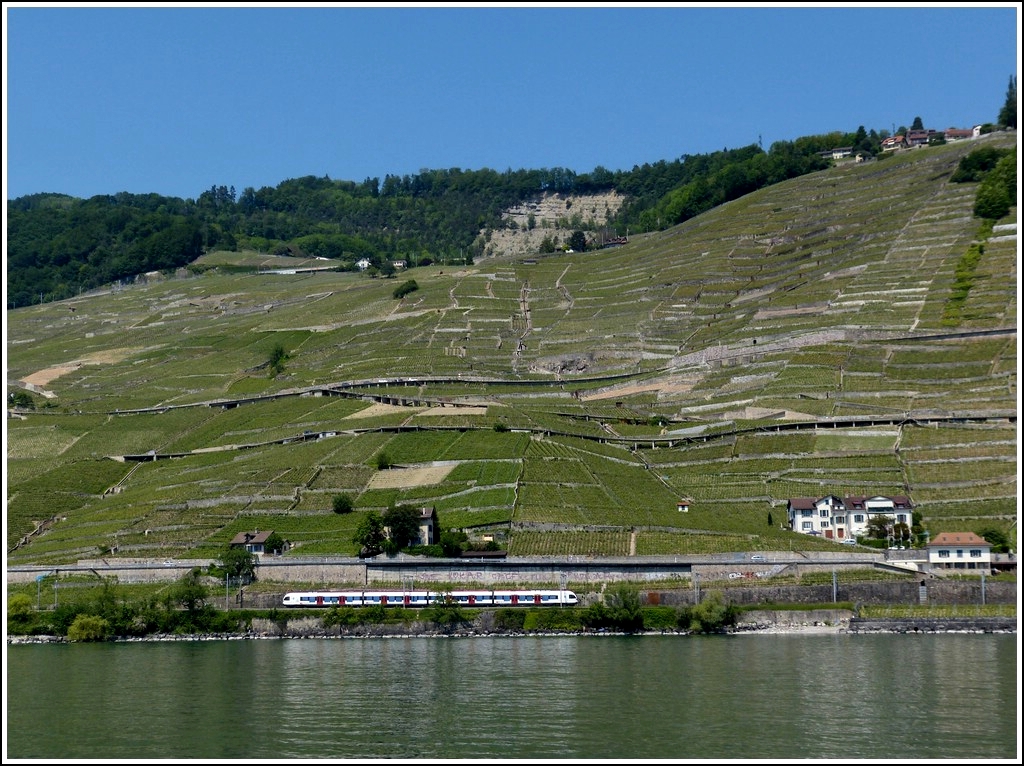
(59, 246)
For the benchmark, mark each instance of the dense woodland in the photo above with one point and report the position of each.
(59, 246)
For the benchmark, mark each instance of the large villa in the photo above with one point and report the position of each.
(844, 518)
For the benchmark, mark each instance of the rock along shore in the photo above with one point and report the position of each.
(797, 624)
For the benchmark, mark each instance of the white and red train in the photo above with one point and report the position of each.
(417, 598)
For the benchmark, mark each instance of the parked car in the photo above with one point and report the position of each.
(757, 557)
(850, 541)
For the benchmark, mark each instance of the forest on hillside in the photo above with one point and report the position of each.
(59, 246)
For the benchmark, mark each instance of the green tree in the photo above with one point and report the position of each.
(879, 526)
(369, 535)
(1008, 114)
(22, 400)
(278, 356)
(403, 523)
(917, 124)
(861, 142)
(578, 241)
(453, 543)
(712, 614)
(274, 544)
(405, 288)
(190, 593)
(238, 564)
(976, 165)
(383, 461)
(446, 612)
(997, 191)
(992, 201)
(625, 610)
(19, 607)
(999, 540)
(342, 503)
(88, 627)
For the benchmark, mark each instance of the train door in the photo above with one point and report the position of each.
(515, 599)
(472, 599)
(319, 600)
(405, 600)
(536, 598)
(341, 600)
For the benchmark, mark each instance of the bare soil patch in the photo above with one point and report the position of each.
(377, 410)
(42, 377)
(452, 411)
(394, 478)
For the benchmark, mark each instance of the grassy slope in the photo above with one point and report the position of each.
(807, 300)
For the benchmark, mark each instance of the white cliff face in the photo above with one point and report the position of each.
(554, 216)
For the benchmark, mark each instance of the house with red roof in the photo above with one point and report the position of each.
(959, 553)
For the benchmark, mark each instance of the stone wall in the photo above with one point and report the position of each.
(964, 592)
(933, 625)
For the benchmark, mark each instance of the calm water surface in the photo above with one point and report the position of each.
(748, 696)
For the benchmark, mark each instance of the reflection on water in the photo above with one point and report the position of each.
(749, 696)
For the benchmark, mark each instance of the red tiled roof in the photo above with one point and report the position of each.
(801, 503)
(958, 538)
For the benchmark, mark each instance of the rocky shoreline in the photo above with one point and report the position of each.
(848, 625)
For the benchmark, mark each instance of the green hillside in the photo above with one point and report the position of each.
(561, 403)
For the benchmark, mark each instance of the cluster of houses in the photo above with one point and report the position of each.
(915, 138)
(832, 517)
(256, 541)
(909, 140)
(845, 519)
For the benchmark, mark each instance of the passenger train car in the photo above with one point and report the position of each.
(417, 598)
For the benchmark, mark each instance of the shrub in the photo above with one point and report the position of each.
(711, 615)
(447, 613)
(19, 606)
(88, 627)
(405, 288)
(21, 617)
(278, 356)
(372, 615)
(553, 619)
(340, 616)
(342, 504)
(660, 618)
(509, 619)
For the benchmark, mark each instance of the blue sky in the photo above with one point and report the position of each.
(176, 99)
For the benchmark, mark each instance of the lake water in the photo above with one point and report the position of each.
(878, 696)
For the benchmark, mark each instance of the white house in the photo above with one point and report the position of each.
(836, 518)
(960, 552)
(429, 531)
(363, 264)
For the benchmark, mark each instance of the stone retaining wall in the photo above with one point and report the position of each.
(933, 625)
(961, 592)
